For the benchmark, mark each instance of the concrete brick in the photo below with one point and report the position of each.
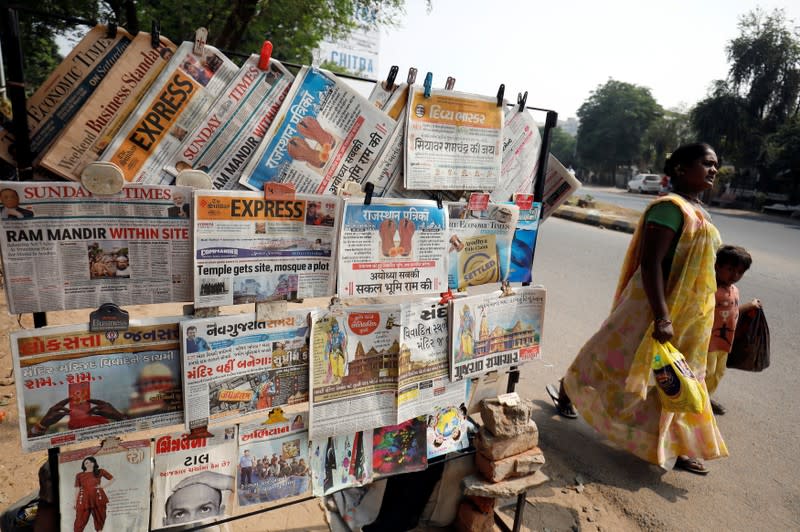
(496, 448)
(517, 465)
(477, 485)
(505, 420)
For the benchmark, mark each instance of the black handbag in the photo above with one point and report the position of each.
(750, 349)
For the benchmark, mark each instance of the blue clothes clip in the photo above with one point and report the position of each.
(428, 83)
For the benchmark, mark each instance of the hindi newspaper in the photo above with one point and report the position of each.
(400, 448)
(65, 248)
(176, 102)
(75, 79)
(108, 487)
(340, 462)
(392, 248)
(447, 430)
(237, 364)
(521, 146)
(480, 243)
(353, 369)
(222, 144)
(98, 120)
(273, 460)
(492, 331)
(453, 141)
(74, 385)
(325, 134)
(559, 184)
(194, 479)
(424, 365)
(387, 173)
(250, 249)
(524, 244)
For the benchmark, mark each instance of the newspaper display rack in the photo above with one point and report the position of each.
(359, 445)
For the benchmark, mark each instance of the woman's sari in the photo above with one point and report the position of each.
(609, 382)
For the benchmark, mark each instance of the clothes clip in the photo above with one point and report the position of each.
(275, 415)
(200, 37)
(450, 83)
(500, 93)
(266, 54)
(428, 83)
(412, 76)
(446, 297)
(279, 191)
(438, 197)
(505, 288)
(369, 188)
(109, 445)
(111, 30)
(196, 433)
(155, 34)
(391, 77)
(522, 100)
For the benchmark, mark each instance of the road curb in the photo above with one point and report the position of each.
(597, 218)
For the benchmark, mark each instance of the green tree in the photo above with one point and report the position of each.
(562, 145)
(664, 135)
(613, 122)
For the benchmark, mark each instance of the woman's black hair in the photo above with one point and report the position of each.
(95, 469)
(735, 256)
(684, 156)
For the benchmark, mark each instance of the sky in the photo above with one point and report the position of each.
(559, 51)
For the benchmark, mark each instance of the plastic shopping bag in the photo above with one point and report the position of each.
(750, 350)
(678, 388)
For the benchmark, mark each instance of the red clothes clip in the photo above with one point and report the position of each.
(266, 54)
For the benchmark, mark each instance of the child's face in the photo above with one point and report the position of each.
(728, 274)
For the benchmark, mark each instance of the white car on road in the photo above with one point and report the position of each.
(643, 183)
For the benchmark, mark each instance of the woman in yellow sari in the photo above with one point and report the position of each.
(665, 293)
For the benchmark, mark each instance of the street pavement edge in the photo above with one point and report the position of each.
(595, 217)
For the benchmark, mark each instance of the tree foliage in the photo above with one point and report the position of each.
(664, 135)
(562, 145)
(613, 122)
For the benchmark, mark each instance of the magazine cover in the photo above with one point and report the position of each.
(447, 430)
(523, 246)
(234, 365)
(494, 331)
(339, 462)
(74, 385)
(326, 133)
(400, 448)
(249, 249)
(480, 243)
(102, 488)
(353, 369)
(194, 480)
(392, 248)
(273, 460)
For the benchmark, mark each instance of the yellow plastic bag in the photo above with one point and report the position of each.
(678, 388)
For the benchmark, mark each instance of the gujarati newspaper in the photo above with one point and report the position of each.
(339, 462)
(194, 479)
(98, 120)
(222, 143)
(273, 460)
(249, 249)
(234, 365)
(176, 102)
(392, 248)
(57, 100)
(114, 480)
(353, 369)
(493, 331)
(65, 248)
(453, 141)
(325, 134)
(74, 385)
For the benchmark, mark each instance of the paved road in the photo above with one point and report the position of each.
(756, 488)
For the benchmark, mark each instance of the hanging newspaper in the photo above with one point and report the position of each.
(447, 430)
(524, 243)
(353, 369)
(521, 146)
(325, 134)
(65, 248)
(175, 103)
(388, 169)
(424, 366)
(248, 249)
(108, 486)
(392, 248)
(101, 116)
(400, 448)
(341, 462)
(273, 460)
(559, 184)
(480, 243)
(57, 100)
(224, 141)
(492, 331)
(193, 479)
(453, 141)
(74, 385)
(237, 364)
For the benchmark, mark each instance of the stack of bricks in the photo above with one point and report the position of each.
(508, 458)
